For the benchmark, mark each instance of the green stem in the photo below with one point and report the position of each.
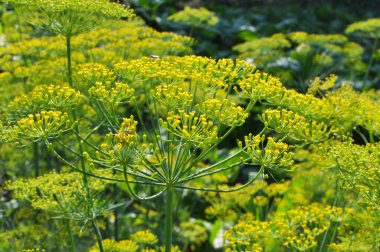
(169, 219)
(333, 233)
(126, 180)
(80, 149)
(115, 213)
(98, 235)
(69, 68)
(72, 242)
(336, 200)
(36, 159)
(371, 60)
(371, 138)
(229, 190)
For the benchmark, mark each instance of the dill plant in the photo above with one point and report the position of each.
(367, 29)
(191, 110)
(66, 18)
(180, 109)
(154, 122)
(195, 18)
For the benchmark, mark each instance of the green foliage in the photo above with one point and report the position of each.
(195, 17)
(369, 28)
(298, 57)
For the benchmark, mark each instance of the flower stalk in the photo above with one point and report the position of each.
(169, 219)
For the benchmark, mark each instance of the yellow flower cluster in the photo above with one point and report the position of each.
(296, 127)
(346, 102)
(303, 224)
(68, 17)
(117, 246)
(358, 166)
(260, 86)
(110, 94)
(144, 237)
(360, 233)
(130, 40)
(138, 242)
(208, 74)
(159, 47)
(102, 6)
(43, 125)
(100, 45)
(127, 134)
(224, 112)
(91, 73)
(52, 97)
(171, 98)
(38, 73)
(298, 228)
(247, 236)
(195, 17)
(195, 129)
(273, 156)
(35, 47)
(318, 85)
(53, 192)
(337, 107)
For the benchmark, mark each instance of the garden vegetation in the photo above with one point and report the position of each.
(116, 137)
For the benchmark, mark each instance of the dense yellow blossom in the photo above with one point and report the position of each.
(43, 125)
(272, 155)
(54, 192)
(196, 129)
(52, 97)
(110, 94)
(144, 237)
(117, 246)
(69, 17)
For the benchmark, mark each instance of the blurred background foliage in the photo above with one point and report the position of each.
(245, 20)
(242, 21)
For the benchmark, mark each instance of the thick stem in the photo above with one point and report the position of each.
(98, 235)
(71, 236)
(69, 68)
(169, 219)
